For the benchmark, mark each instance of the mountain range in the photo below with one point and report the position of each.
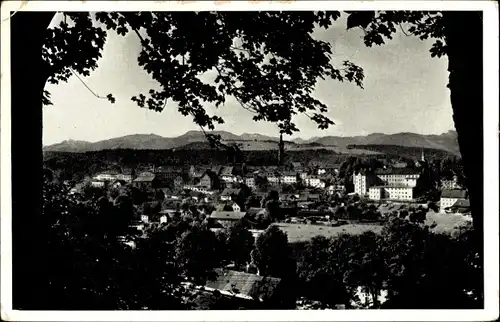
(252, 141)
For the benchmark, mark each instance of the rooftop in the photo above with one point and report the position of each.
(230, 191)
(144, 179)
(226, 171)
(454, 194)
(396, 171)
(250, 285)
(462, 203)
(227, 215)
(394, 186)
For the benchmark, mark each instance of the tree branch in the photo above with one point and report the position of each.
(402, 30)
(81, 80)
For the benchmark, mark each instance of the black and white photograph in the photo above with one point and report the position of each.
(313, 158)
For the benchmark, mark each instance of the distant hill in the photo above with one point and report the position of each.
(248, 141)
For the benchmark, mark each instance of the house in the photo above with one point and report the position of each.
(145, 182)
(227, 194)
(98, 183)
(118, 183)
(250, 181)
(302, 175)
(450, 197)
(196, 172)
(216, 169)
(335, 188)
(461, 206)
(313, 197)
(106, 176)
(400, 165)
(197, 195)
(288, 197)
(227, 174)
(315, 181)
(236, 207)
(206, 181)
(241, 290)
(254, 211)
(166, 179)
(333, 168)
(297, 166)
(450, 184)
(246, 286)
(178, 182)
(126, 176)
(224, 217)
(77, 189)
(289, 177)
(273, 178)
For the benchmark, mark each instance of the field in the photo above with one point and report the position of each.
(303, 232)
(446, 223)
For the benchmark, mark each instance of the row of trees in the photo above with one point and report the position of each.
(406, 266)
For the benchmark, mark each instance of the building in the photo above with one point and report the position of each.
(178, 182)
(281, 151)
(228, 193)
(118, 183)
(297, 166)
(226, 217)
(273, 178)
(289, 177)
(250, 181)
(106, 176)
(314, 181)
(450, 184)
(242, 290)
(460, 207)
(450, 198)
(227, 174)
(206, 181)
(335, 188)
(363, 181)
(376, 193)
(398, 176)
(391, 193)
(98, 183)
(236, 207)
(145, 182)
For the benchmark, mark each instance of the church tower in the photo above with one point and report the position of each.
(281, 150)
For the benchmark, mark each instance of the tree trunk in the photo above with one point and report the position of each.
(27, 81)
(463, 34)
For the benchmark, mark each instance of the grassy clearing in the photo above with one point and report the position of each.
(303, 232)
(446, 223)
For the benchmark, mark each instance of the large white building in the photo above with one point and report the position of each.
(363, 181)
(394, 184)
(391, 192)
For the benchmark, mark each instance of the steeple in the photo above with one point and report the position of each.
(281, 150)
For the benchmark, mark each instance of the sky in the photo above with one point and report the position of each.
(404, 91)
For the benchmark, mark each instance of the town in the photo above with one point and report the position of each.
(303, 200)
